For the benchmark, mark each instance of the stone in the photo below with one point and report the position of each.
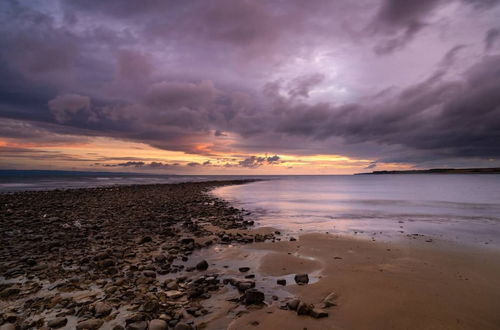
(57, 322)
(293, 304)
(157, 324)
(102, 309)
(330, 300)
(174, 294)
(301, 279)
(304, 308)
(183, 326)
(139, 325)
(253, 297)
(145, 239)
(9, 292)
(245, 285)
(8, 326)
(202, 265)
(318, 313)
(91, 324)
(244, 269)
(281, 282)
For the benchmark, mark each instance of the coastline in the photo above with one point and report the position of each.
(135, 260)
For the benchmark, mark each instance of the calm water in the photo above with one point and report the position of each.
(40, 180)
(463, 208)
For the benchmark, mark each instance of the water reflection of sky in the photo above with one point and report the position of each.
(454, 207)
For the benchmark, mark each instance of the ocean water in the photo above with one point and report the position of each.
(462, 208)
(14, 181)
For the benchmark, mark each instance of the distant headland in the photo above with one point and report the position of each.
(490, 170)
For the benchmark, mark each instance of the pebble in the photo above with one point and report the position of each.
(301, 279)
(91, 324)
(253, 297)
(157, 324)
(202, 265)
(57, 322)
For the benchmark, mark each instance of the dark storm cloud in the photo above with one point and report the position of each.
(262, 75)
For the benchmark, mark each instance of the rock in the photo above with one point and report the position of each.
(244, 269)
(202, 265)
(330, 300)
(186, 240)
(301, 279)
(253, 297)
(304, 308)
(293, 304)
(139, 325)
(318, 313)
(157, 324)
(183, 326)
(8, 326)
(145, 239)
(292, 239)
(102, 309)
(174, 294)
(245, 285)
(9, 292)
(150, 306)
(281, 282)
(91, 324)
(57, 322)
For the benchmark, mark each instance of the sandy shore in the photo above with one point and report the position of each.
(174, 257)
(404, 285)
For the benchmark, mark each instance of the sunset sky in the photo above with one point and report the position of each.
(249, 87)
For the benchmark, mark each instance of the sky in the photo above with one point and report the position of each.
(249, 87)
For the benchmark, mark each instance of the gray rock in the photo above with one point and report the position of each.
(301, 279)
(157, 324)
(57, 322)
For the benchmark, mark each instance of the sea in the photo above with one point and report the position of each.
(463, 208)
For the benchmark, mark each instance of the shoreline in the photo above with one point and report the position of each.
(174, 253)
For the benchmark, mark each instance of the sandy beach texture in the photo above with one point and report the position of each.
(175, 257)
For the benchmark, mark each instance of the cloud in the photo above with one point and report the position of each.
(256, 161)
(65, 107)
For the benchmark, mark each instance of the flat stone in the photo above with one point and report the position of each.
(139, 325)
(91, 324)
(57, 322)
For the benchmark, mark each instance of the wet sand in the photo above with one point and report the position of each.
(403, 285)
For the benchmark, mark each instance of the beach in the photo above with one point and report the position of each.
(176, 256)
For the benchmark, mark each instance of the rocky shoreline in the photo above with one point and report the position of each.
(106, 258)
